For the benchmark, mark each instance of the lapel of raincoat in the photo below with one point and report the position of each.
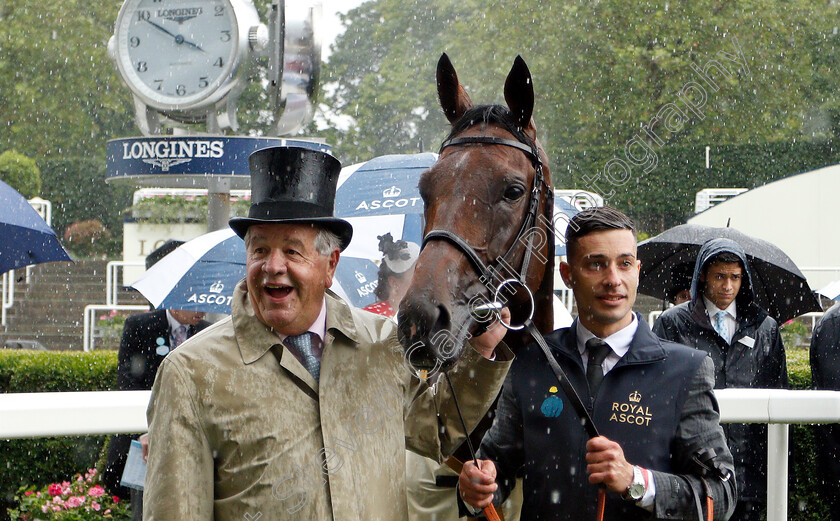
(255, 339)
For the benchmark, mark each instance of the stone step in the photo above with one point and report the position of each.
(50, 309)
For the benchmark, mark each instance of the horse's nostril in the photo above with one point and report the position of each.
(443, 320)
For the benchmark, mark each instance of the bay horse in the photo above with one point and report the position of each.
(488, 211)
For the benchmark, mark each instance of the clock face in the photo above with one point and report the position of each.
(175, 54)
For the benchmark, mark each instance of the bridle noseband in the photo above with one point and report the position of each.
(492, 270)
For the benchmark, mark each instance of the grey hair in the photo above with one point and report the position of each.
(325, 240)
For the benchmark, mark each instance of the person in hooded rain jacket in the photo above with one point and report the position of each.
(723, 319)
(825, 374)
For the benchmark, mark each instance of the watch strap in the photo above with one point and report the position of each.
(640, 481)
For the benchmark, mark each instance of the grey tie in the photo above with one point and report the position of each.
(303, 345)
(598, 351)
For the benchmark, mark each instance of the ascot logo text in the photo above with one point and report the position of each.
(388, 203)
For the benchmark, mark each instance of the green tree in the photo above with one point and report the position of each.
(59, 93)
(21, 173)
(601, 70)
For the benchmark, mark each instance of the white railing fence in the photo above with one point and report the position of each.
(90, 309)
(32, 415)
(7, 289)
(112, 278)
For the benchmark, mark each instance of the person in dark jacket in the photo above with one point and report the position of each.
(825, 374)
(724, 320)
(147, 338)
(651, 400)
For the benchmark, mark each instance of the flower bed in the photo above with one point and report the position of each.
(80, 499)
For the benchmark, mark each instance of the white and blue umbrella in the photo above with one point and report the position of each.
(563, 213)
(831, 290)
(201, 275)
(381, 196)
(25, 238)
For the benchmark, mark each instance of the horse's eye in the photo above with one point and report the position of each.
(514, 193)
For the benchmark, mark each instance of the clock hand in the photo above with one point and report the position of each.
(161, 28)
(179, 39)
(186, 42)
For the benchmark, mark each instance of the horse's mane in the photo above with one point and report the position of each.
(486, 114)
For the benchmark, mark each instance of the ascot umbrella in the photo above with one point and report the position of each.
(25, 238)
(563, 213)
(381, 196)
(831, 290)
(779, 286)
(201, 275)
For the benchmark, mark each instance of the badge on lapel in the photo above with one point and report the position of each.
(162, 349)
(553, 405)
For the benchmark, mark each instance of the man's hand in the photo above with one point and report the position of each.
(477, 484)
(486, 343)
(144, 444)
(606, 464)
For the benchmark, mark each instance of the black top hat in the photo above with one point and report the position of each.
(293, 185)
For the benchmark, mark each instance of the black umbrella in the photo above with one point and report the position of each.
(779, 286)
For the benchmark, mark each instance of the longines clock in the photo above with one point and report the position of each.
(186, 60)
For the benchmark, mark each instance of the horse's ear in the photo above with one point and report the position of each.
(453, 98)
(519, 92)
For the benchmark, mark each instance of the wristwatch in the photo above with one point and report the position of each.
(636, 489)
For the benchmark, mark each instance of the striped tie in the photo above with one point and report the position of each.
(303, 345)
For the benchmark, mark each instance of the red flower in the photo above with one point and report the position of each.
(116, 499)
(54, 489)
(28, 493)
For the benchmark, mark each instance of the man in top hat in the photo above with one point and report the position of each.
(146, 339)
(299, 406)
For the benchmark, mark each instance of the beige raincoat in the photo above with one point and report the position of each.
(239, 430)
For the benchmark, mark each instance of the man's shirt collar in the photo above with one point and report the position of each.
(712, 309)
(619, 341)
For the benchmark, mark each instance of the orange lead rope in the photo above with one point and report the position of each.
(710, 508)
(602, 502)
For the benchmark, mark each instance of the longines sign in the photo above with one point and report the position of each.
(168, 159)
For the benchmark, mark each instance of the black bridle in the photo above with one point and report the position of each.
(490, 271)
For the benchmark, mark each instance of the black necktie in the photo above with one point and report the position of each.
(598, 351)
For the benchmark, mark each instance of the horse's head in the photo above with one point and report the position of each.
(486, 201)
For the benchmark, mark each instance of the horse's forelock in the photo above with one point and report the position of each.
(487, 114)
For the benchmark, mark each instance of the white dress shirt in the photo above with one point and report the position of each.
(619, 343)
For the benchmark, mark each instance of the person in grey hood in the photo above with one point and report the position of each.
(723, 319)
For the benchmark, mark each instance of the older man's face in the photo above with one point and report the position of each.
(286, 275)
